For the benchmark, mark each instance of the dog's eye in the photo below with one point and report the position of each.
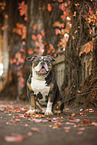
(47, 61)
(36, 62)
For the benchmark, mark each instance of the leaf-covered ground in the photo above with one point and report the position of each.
(73, 127)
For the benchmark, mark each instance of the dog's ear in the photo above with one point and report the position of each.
(31, 58)
(51, 58)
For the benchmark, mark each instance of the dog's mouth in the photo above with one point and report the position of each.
(42, 71)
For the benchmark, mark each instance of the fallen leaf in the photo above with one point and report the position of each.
(81, 109)
(35, 129)
(94, 123)
(72, 119)
(85, 121)
(37, 120)
(82, 128)
(70, 123)
(67, 130)
(57, 124)
(14, 138)
(29, 133)
(80, 132)
(17, 120)
(73, 114)
(26, 125)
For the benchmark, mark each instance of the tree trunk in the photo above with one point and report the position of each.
(94, 65)
(5, 47)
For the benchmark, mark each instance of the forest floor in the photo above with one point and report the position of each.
(76, 126)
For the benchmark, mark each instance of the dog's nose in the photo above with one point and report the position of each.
(42, 63)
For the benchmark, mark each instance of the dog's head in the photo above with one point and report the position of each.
(42, 65)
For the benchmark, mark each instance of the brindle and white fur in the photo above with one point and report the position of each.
(43, 90)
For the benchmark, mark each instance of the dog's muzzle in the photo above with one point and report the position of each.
(43, 69)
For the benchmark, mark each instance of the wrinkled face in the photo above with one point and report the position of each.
(41, 64)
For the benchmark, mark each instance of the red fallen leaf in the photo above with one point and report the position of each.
(35, 129)
(72, 118)
(23, 110)
(17, 120)
(57, 124)
(85, 121)
(14, 138)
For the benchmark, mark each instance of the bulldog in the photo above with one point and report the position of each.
(42, 88)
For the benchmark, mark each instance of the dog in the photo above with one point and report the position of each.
(42, 88)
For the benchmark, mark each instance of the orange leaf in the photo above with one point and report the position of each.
(35, 27)
(49, 7)
(74, 14)
(42, 32)
(60, 0)
(34, 37)
(57, 31)
(57, 124)
(30, 51)
(17, 120)
(67, 130)
(39, 36)
(62, 6)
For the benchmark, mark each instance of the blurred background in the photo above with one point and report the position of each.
(64, 29)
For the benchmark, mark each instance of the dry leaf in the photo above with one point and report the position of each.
(14, 138)
(35, 129)
(80, 132)
(67, 130)
(94, 123)
(29, 133)
(85, 121)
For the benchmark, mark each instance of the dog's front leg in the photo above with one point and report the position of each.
(50, 103)
(49, 108)
(32, 108)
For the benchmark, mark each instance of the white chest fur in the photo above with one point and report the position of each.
(39, 86)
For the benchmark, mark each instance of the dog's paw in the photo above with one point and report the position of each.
(30, 111)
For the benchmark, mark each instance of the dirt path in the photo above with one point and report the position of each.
(74, 127)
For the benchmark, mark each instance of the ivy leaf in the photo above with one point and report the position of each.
(35, 27)
(49, 8)
(34, 37)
